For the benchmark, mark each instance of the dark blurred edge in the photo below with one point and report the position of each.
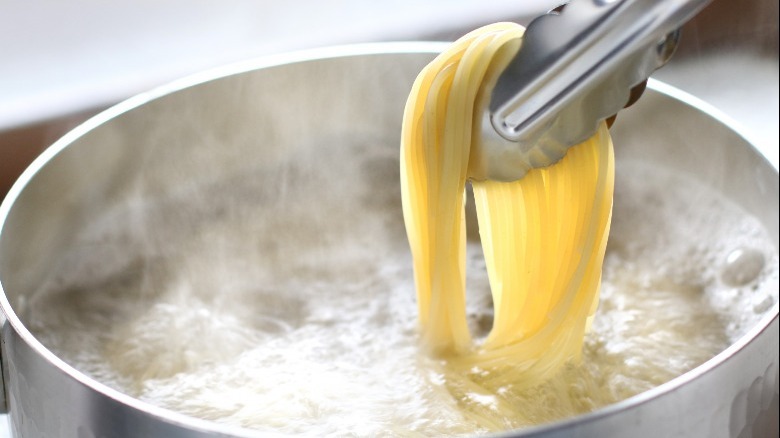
(19, 146)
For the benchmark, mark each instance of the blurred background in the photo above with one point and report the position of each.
(61, 62)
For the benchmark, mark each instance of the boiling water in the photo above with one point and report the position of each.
(212, 320)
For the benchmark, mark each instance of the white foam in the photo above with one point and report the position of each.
(207, 319)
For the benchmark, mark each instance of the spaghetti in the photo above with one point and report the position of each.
(543, 237)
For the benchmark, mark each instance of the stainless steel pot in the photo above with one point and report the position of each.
(208, 124)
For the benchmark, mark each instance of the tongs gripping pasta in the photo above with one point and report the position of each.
(575, 68)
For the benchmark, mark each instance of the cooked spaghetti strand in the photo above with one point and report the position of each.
(543, 236)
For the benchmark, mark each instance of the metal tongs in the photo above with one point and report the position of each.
(575, 68)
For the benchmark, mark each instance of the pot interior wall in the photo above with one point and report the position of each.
(328, 130)
(321, 135)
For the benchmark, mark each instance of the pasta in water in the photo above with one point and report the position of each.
(543, 237)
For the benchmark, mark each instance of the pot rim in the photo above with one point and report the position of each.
(341, 51)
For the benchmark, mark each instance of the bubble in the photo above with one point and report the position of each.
(743, 266)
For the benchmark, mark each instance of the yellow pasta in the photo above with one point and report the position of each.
(543, 236)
